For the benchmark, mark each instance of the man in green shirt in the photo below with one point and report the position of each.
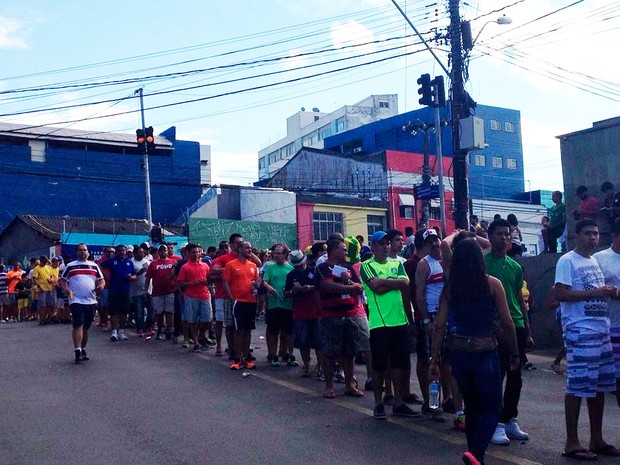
(557, 223)
(510, 273)
(386, 285)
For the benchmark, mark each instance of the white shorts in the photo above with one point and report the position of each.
(163, 304)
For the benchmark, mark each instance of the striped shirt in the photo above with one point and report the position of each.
(4, 283)
(82, 278)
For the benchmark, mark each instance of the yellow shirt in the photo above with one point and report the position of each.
(45, 276)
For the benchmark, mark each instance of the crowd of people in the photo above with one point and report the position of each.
(456, 302)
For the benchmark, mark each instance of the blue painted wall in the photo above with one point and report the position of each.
(97, 181)
(485, 182)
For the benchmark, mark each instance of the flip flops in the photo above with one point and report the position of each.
(580, 454)
(607, 450)
(355, 393)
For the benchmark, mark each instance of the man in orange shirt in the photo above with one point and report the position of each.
(14, 276)
(240, 285)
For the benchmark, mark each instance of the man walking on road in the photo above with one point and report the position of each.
(81, 280)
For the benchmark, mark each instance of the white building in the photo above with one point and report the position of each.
(310, 128)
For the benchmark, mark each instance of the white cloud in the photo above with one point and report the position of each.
(352, 33)
(234, 167)
(11, 33)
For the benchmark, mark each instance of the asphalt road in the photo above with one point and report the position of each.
(151, 402)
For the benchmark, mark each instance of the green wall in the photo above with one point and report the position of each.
(262, 235)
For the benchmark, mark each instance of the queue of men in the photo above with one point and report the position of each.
(328, 301)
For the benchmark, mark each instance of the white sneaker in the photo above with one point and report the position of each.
(114, 336)
(122, 336)
(513, 431)
(499, 437)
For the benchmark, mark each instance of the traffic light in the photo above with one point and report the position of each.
(425, 90)
(437, 83)
(150, 139)
(140, 138)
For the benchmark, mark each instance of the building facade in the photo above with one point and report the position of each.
(495, 172)
(311, 128)
(56, 172)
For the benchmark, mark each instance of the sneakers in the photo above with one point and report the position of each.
(273, 360)
(499, 437)
(388, 399)
(235, 365)
(292, 362)
(159, 337)
(140, 333)
(379, 412)
(122, 336)
(412, 399)
(114, 336)
(404, 411)
(436, 413)
(513, 431)
(339, 376)
(78, 356)
(185, 344)
(245, 363)
(210, 341)
(529, 366)
(84, 356)
(459, 422)
(197, 348)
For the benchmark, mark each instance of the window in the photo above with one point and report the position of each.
(289, 150)
(324, 133)
(497, 162)
(510, 127)
(37, 151)
(326, 223)
(340, 124)
(272, 158)
(384, 104)
(480, 160)
(261, 163)
(511, 163)
(434, 210)
(375, 223)
(308, 140)
(496, 125)
(406, 212)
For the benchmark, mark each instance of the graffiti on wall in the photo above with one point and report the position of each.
(262, 235)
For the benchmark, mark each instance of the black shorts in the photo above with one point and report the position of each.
(118, 303)
(390, 344)
(424, 343)
(82, 315)
(244, 315)
(279, 320)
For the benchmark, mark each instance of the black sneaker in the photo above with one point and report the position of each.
(84, 356)
(379, 412)
(404, 411)
(78, 356)
(412, 399)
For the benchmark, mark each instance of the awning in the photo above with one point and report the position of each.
(406, 200)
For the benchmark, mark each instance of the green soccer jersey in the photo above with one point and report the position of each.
(510, 273)
(384, 309)
(275, 275)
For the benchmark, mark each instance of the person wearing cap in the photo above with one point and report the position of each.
(429, 282)
(300, 286)
(279, 314)
(386, 286)
(130, 252)
(589, 207)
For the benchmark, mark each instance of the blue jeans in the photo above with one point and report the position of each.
(479, 379)
(139, 307)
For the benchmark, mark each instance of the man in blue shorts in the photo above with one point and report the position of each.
(81, 280)
(121, 277)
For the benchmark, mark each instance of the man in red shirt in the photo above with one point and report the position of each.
(589, 207)
(193, 279)
(159, 272)
(240, 284)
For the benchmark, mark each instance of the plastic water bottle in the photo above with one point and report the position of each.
(433, 394)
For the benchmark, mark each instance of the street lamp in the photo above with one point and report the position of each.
(501, 20)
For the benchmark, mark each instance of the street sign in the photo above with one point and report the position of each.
(426, 191)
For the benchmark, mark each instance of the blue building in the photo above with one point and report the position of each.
(495, 173)
(56, 172)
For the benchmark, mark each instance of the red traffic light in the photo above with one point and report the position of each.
(140, 136)
(150, 138)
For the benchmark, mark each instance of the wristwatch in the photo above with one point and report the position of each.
(426, 321)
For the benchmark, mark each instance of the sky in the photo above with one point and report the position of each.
(228, 74)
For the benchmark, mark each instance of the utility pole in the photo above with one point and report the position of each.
(147, 178)
(442, 196)
(460, 110)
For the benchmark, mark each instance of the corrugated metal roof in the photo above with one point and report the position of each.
(53, 226)
(51, 133)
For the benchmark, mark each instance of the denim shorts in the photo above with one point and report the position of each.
(82, 315)
(340, 336)
(197, 310)
(307, 334)
(163, 304)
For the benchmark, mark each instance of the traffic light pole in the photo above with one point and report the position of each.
(442, 197)
(459, 110)
(147, 176)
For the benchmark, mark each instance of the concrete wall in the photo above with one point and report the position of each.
(268, 205)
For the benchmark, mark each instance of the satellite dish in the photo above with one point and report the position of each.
(315, 109)
(303, 108)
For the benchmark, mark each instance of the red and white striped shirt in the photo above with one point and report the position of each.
(82, 277)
